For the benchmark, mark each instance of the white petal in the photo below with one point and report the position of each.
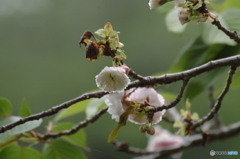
(153, 3)
(114, 102)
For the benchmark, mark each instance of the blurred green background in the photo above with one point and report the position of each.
(41, 61)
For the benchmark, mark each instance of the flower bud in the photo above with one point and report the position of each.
(151, 131)
(126, 68)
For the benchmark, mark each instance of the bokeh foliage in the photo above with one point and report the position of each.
(42, 62)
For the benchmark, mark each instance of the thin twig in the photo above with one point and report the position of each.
(194, 140)
(217, 105)
(231, 34)
(135, 75)
(53, 110)
(80, 125)
(150, 81)
(176, 100)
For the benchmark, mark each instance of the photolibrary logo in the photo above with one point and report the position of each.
(212, 152)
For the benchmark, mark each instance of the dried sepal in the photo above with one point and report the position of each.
(92, 51)
(86, 35)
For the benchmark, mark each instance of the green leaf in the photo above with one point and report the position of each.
(18, 129)
(25, 111)
(212, 35)
(94, 106)
(108, 28)
(78, 138)
(9, 144)
(172, 22)
(177, 124)
(191, 56)
(60, 149)
(231, 17)
(197, 53)
(5, 107)
(184, 113)
(101, 33)
(72, 110)
(122, 122)
(17, 152)
(194, 116)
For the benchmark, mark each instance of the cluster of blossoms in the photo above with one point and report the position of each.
(134, 105)
(114, 78)
(138, 101)
(187, 10)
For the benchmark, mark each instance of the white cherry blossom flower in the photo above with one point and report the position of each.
(112, 79)
(137, 101)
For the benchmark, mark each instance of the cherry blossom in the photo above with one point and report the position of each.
(146, 97)
(138, 102)
(112, 79)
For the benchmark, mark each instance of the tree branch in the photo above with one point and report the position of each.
(217, 105)
(174, 77)
(231, 34)
(176, 100)
(194, 140)
(80, 125)
(148, 81)
(135, 75)
(53, 110)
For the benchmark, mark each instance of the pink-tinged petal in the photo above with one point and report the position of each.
(183, 16)
(149, 95)
(163, 139)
